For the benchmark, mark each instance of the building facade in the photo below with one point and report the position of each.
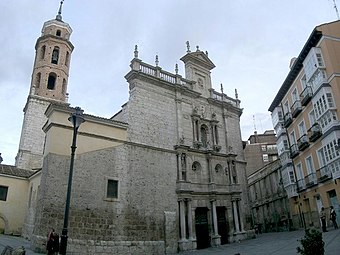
(268, 199)
(260, 150)
(306, 120)
(165, 174)
(13, 204)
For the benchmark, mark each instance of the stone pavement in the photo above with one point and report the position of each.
(280, 243)
(15, 242)
(277, 243)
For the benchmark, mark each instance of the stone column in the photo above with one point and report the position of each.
(216, 238)
(240, 218)
(190, 220)
(214, 216)
(211, 176)
(236, 222)
(178, 166)
(182, 219)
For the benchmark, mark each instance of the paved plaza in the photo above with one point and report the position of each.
(281, 243)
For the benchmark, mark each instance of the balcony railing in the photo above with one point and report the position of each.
(303, 142)
(301, 185)
(323, 174)
(296, 108)
(294, 150)
(291, 190)
(314, 132)
(311, 180)
(288, 119)
(306, 95)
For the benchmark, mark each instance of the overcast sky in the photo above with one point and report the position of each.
(251, 42)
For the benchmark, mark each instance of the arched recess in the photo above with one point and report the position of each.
(5, 223)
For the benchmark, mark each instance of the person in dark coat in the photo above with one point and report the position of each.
(50, 242)
(333, 217)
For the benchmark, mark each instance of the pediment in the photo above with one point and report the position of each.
(199, 58)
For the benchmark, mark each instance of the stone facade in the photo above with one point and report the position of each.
(165, 174)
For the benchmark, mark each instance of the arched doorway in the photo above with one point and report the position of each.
(202, 229)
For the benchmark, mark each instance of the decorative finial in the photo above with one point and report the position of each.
(236, 95)
(58, 17)
(156, 60)
(136, 51)
(206, 53)
(197, 48)
(176, 68)
(222, 89)
(188, 47)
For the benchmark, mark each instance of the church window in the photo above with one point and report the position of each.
(204, 136)
(58, 33)
(196, 166)
(216, 134)
(67, 58)
(112, 189)
(42, 52)
(37, 80)
(55, 55)
(218, 168)
(64, 87)
(3, 193)
(51, 81)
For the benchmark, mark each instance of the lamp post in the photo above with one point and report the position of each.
(76, 119)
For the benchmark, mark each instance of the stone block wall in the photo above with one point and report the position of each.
(134, 223)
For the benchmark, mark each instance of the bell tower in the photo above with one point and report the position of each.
(48, 85)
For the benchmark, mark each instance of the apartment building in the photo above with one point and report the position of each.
(260, 150)
(305, 117)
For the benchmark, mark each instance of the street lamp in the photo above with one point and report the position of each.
(76, 119)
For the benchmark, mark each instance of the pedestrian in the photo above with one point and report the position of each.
(323, 219)
(50, 242)
(333, 217)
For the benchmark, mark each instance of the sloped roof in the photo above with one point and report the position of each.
(14, 171)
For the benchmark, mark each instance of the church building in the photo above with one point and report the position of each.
(165, 174)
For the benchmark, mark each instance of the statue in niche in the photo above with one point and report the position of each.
(183, 161)
(195, 110)
(202, 111)
(200, 82)
(181, 140)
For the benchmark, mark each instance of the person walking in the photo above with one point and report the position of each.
(333, 217)
(323, 219)
(50, 246)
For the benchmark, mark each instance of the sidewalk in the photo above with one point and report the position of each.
(278, 243)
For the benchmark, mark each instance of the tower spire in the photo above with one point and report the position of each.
(58, 17)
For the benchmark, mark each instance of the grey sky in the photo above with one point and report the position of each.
(251, 43)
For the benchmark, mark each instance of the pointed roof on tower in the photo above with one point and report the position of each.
(59, 17)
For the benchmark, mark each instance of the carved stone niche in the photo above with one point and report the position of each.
(198, 144)
(217, 147)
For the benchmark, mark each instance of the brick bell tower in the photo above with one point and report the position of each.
(48, 85)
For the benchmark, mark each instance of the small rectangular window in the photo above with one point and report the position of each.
(3, 193)
(112, 189)
(265, 157)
